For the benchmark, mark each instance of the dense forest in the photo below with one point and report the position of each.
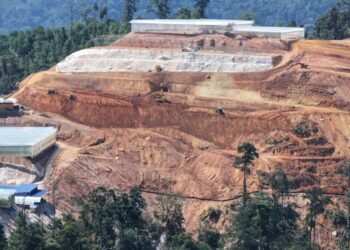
(56, 13)
(109, 220)
(25, 52)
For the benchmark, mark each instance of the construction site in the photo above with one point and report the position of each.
(165, 111)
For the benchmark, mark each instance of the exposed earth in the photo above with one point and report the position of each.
(112, 132)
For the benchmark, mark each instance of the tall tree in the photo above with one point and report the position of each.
(280, 186)
(169, 213)
(244, 162)
(182, 13)
(27, 235)
(128, 13)
(3, 240)
(96, 215)
(160, 8)
(333, 25)
(316, 206)
(199, 8)
(263, 225)
(341, 218)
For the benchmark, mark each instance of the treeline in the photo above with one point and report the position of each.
(335, 24)
(107, 220)
(55, 13)
(25, 52)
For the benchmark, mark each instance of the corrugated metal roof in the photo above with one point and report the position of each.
(268, 29)
(40, 193)
(26, 188)
(7, 187)
(24, 136)
(220, 22)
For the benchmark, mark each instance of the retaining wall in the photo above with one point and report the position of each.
(144, 60)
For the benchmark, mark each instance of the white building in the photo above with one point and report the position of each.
(283, 33)
(191, 26)
(26, 141)
(187, 26)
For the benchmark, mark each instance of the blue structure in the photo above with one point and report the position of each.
(25, 194)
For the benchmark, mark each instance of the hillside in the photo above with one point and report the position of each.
(56, 13)
(114, 132)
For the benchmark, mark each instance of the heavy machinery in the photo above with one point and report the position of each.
(219, 111)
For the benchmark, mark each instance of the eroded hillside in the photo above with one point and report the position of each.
(112, 131)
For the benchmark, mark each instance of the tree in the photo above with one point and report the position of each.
(333, 24)
(27, 235)
(67, 234)
(292, 24)
(199, 8)
(341, 218)
(169, 214)
(182, 13)
(263, 225)
(280, 185)
(128, 13)
(316, 206)
(160, 8)
(207, 233)
(96, 216)
(3, 240)
(247, 16)
(244, 162)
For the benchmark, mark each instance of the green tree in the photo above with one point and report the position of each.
(280, 186)
(199, 8)
(244, 162)
(333, 25)
(96, 214)
(68, 234)
(160, 8)
(182, 13)
(128, 13)
(207, 233)
(27, 235)
(341, 218)
(3, 240)
(292, 24)
(249, 15)
(316, 206)
(264, 225)
(168, 211)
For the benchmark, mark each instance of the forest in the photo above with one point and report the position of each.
(56, 13)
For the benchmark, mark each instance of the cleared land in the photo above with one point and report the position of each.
(114, 132)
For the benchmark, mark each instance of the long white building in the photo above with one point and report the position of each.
(26, 141)
(198, 26)
(188, 26)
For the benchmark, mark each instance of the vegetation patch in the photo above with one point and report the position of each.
(305, 129)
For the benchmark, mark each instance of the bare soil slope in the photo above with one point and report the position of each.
(113, 132)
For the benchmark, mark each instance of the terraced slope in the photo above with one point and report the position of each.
(114, 133)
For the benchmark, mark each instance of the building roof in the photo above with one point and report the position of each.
(22, 189)
(220, 22)
(26, 188)
(9, 100)
(24, 136)
(268, 29)
(8, 187)
(39, 193)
